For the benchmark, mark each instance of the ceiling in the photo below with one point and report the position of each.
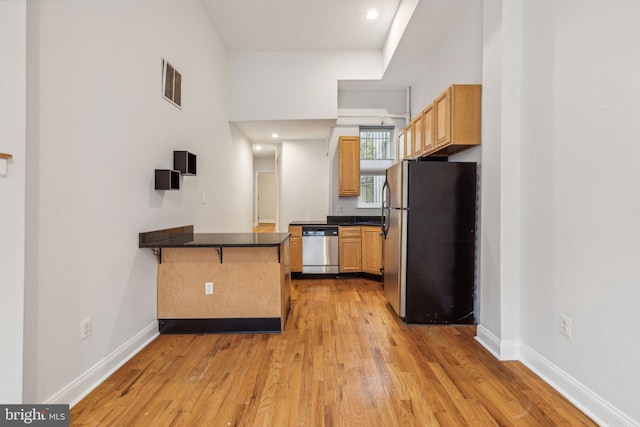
(264, 25)
(303, 25)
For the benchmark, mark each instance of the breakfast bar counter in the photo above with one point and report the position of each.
(220, 282)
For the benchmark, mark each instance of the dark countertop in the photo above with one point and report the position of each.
(343, 220)
(184, 237)
(303, 223)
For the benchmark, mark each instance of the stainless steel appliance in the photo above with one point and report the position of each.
(320, 249)
(429, 210)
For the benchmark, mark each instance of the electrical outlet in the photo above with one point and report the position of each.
(208, 288)
(85, 328)
(565, 325)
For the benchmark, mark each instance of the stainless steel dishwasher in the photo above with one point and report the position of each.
(320, 249)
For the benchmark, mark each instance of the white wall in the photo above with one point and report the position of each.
(294, 85)
(459, 60)
(97, 127)
(264, 163)
(398, 26)
(13, 37)
(559, 205)
(580, 198)
(304, 181)
(368, 100)
(490, 320)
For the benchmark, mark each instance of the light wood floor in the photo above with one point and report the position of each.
(344, 359)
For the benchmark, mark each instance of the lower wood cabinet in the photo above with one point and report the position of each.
(295, 248)
(350, 247)
(360, 249)
(371, 249)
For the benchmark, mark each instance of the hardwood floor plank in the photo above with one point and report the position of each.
(345, 359)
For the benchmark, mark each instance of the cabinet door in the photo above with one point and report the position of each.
(400, 148)
(408, 142)
(443, 118)
(349, 166)
(350, 255)
(418, 135)
(295, 248)
(428, 121)
(371, 250)
(350, 248)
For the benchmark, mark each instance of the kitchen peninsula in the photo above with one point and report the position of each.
(220, 282)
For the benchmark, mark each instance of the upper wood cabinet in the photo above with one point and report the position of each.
(408, 141)
(457, 118)
(349, 166)
(400, 147)
(417, 135)
(428, 128)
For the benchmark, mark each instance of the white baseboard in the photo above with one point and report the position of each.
(488, 341)
(594, 406)
(601, 411)
(85, 383)
(501, 349)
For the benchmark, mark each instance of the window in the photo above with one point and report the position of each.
(371, 191)
(376, 150)
(375, 143)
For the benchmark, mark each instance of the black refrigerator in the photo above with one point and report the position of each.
(429, 221)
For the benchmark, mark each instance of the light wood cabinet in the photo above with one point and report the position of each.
(408, 141)
(249, 283)
(457, 118)
(349, 166)
(371, 249)
(417, 136)
(350, 248)
(400, 147)
(428, 128)
(295, 248)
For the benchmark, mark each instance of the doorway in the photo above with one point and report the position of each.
(266, 182)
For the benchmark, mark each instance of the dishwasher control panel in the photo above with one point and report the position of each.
(320, 231)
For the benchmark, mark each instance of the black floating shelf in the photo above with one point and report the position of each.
(185, 162)
(167, 179)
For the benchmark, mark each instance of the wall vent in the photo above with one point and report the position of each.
(171, 84)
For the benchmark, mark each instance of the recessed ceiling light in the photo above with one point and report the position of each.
(258, 147)
(274, 135)
(372, 14)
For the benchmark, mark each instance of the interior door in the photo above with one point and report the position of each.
(266, 197)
